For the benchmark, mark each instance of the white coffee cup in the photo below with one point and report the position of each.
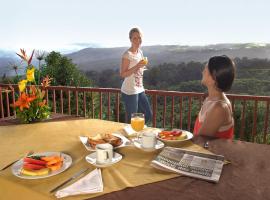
(148, 140)
(104, 153)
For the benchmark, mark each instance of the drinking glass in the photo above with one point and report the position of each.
(137, 121)
(145, 59)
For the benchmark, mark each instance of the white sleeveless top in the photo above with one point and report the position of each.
(208, 105)
(133, 84)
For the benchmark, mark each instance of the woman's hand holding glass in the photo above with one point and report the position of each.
(145, 62)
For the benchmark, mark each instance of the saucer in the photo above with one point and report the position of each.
(91, 158)
(137, 143)
(130, 131)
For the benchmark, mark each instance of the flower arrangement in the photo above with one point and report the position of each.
(31, 104)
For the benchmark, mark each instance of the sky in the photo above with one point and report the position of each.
(74, 24)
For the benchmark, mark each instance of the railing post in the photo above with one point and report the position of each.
(172, 112)
(189, 112)
(69, 109)
(266, 121)
(84, 104)
(7, 103)
(154, 110)
(62, 101)
(180, 112)
(13, 101)
(77, 103)
(117, 105)
(243, 120)
(232, 103)
(47, 96)
(100, 105)
(54, 102)
(254, 127)
(164, 112)
(92, 106)
(1, 101)
(109, 105)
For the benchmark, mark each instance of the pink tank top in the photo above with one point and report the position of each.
(226, 131)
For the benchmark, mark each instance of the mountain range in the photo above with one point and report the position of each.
(98, 59)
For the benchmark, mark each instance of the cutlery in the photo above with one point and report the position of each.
(77, 174)
(28, 154)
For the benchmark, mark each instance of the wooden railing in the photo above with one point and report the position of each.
(171, 109)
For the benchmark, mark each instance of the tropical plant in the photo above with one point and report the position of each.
(31, 104)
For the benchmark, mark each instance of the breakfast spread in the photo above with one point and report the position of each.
(105, 138)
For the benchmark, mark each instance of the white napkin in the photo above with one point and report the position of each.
(129, 130)
(91, 183)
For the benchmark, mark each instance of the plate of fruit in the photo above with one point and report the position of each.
(174, 135)
(41, 165)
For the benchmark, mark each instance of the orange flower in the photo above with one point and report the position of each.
(46, 81)
(41, 104)
(33, 90)
(24, 101)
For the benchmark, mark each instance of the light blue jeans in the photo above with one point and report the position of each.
(137, 103)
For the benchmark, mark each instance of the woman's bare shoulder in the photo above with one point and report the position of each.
(219, 108)
(126, 54)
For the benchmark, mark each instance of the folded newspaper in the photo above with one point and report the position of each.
(195, 164)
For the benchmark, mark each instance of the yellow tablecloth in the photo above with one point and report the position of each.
(133, 170)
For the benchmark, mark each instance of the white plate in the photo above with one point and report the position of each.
(125, 142)
(189, 136)
(91, 158)
(16, 167)
(137, 143)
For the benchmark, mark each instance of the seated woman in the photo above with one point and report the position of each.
(215, 117)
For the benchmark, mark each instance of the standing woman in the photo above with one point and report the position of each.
(215, 117)
(132, 69)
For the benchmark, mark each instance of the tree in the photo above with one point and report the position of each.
(63, 71)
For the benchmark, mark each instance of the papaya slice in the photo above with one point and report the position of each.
(55, 160)
(55, 166)
(48, 158)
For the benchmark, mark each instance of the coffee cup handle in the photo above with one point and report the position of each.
(107, 155)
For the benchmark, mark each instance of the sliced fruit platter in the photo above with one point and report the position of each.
(174, 135)
(41, 165)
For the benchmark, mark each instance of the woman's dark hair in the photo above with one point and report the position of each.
(222, 69)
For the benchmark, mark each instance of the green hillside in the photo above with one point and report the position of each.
(252, 77)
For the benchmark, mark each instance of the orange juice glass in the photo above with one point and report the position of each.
(137, 121)
(145, 60)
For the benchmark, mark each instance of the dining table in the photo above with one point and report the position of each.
(246, 174)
